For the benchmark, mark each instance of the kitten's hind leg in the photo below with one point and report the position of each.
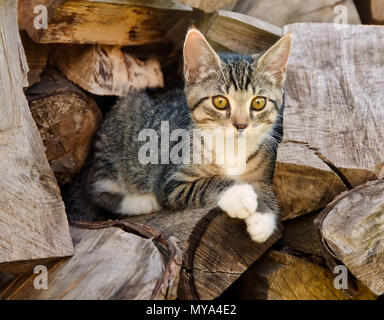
(108, 195)
(135, 204)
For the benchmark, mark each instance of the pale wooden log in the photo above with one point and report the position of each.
(333, 132)
(208, 6)
(111, 22)
(283, 12)
(67, 119)
(352, 228)
(377, 10)
(33, 223)
(216, 249)
(235, 32)
(106, 70)
(110, 263)
(281, 276)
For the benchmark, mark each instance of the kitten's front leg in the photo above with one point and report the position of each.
(259, 209)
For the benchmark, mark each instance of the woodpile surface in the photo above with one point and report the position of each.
(33, 223)
(328, 177)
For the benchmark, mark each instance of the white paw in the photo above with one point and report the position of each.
(238, 201)
(260, 226)
(139, 204)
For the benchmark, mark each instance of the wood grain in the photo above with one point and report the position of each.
(106, 70)
(110, 262)
(283, 12)
(235, 32)
(216, 249)
(352, 228)
(377, 10)
(280, 276)
(302, 235)
(207, 6)
(111, 22)
(33, 223)
(37, 57)
(67, 119)
(333, 133)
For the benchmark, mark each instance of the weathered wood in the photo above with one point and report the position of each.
(37, 57)
(110, 262)
(237, 32)
(283, 12)
(302, 235)
(333, 132)
(377, 10)
(67, 119)
(207, 6)
(281, 276)
(111, 22)
(303, 182)
(106, 70)
(216, 249)
(33, 224)
(352, 228)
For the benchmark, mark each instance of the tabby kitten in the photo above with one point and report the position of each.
(241, 94)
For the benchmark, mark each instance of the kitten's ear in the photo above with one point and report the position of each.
(274, 61)
(199, 58)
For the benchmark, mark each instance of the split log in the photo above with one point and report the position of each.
(112, 261)
(302, 235)
(216, 249)
(111, 22)
(235, 32)
(207, 6)
(333, 132)
(37, 57)
(33, 223)
(67, 120)
(106, 70)
(377, 10)
(280, 276)
(283, 12)
(352, 228)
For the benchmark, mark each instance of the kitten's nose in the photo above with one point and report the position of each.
(240, 126)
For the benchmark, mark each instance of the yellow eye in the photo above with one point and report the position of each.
(220, 102)
(258, 103)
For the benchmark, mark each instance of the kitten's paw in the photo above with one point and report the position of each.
(139, 204)
(238, 201)
(260, 226)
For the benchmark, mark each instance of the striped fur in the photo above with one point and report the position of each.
(114, 173)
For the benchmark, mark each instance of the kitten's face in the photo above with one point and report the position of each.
(234, 92)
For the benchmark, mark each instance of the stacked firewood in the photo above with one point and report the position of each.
(328, 177)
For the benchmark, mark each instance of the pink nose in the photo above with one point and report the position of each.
(240, 126)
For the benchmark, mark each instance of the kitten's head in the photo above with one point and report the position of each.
(233, 91)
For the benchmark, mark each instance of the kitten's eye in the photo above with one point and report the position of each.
(220, 102)
(258, 103)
